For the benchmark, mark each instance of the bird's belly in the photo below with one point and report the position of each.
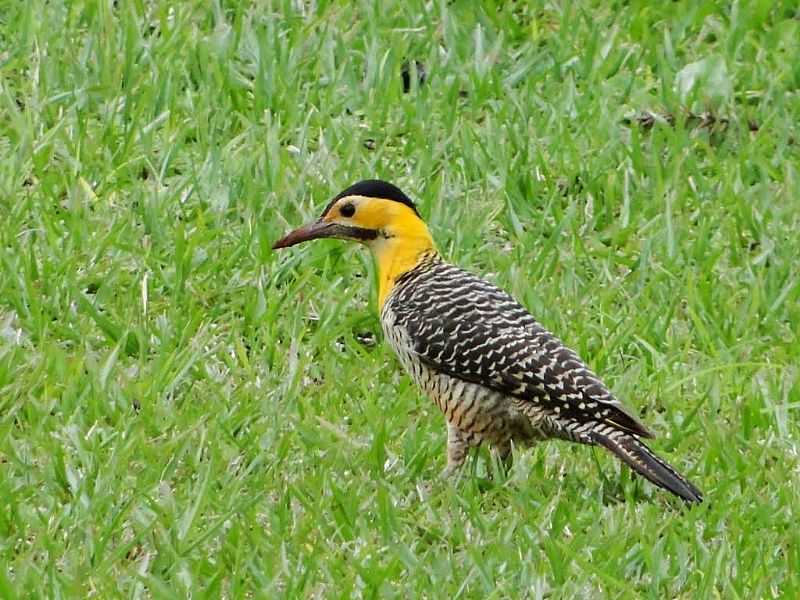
(478, 410)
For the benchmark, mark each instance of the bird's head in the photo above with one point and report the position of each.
(372, 212)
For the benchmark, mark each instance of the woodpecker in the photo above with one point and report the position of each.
(497, 375)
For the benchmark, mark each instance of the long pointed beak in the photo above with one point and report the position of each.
(325, 229)
(311, 231)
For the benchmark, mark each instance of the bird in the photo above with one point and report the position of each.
(498, 376)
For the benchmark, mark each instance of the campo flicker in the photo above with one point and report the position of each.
(496, 374)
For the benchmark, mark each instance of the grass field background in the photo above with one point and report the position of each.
(185, 412)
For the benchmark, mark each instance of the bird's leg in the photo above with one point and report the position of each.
(458, 445)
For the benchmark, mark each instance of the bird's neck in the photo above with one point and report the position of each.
(398, 254)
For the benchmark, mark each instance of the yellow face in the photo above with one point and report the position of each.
(395, 234)
(386, 218)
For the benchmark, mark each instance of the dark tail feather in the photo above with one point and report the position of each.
(646, 463)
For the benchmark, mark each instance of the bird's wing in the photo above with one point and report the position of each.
(481, 334)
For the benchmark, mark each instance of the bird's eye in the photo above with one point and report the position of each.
(347, 210)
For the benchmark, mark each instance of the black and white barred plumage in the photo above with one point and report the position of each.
(500, 377)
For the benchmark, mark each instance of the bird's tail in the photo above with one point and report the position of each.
(634, 453)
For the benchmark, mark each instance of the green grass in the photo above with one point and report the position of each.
(183, 411)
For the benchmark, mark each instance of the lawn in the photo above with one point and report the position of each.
(184, 412)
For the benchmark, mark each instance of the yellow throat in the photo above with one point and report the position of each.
(405, 243)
